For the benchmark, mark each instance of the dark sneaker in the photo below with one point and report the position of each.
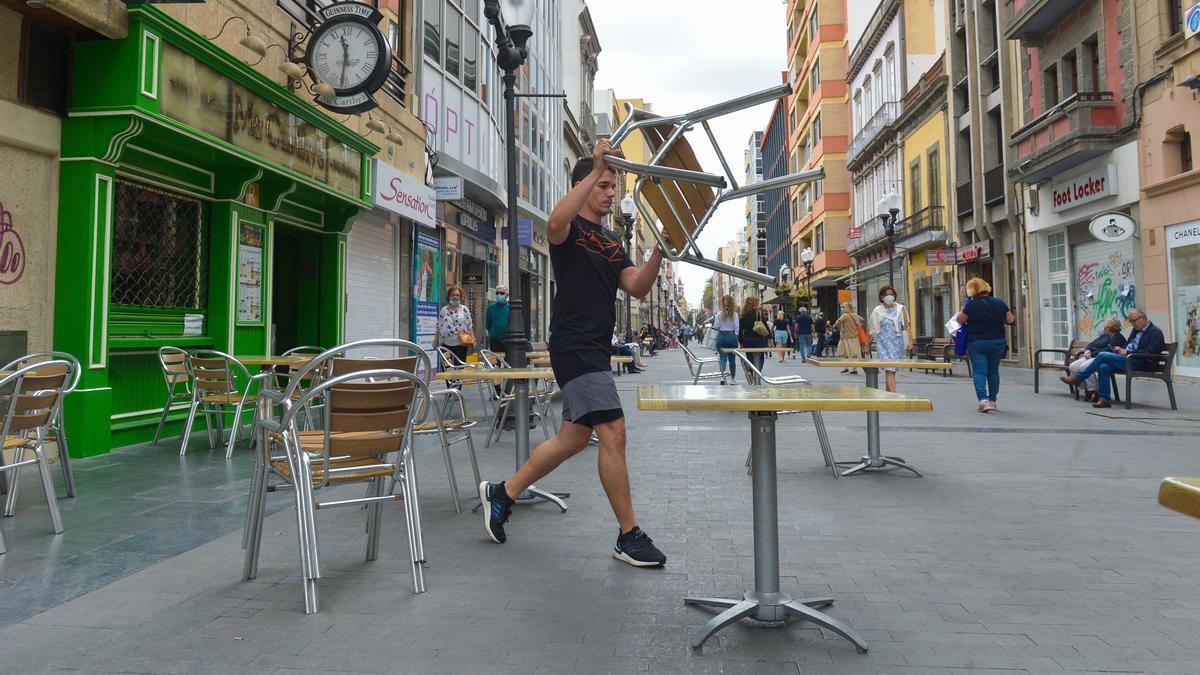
(637, 548)
(496, 508)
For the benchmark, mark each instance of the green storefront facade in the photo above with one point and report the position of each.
(201, 205)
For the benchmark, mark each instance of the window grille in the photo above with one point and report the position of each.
(159, 249)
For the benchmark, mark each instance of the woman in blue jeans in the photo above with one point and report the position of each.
(985, 318)
(726, 324)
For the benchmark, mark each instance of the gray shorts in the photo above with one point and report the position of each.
(591, 398)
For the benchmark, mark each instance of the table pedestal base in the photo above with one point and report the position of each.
(770, 607)
(868, 462)
(874, 458)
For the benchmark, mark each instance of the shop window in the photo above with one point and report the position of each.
(159, 249)
(45, 72)
(433, 29)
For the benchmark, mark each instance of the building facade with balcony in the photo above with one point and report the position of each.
(818, 130)
(984, 108)
(1169, 139)
(755, 232)
(1076, 157)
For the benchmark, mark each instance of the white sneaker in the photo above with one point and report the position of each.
(992, 407)
(984, 405)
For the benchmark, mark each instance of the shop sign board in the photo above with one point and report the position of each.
(1191, 19)
(426, 289)
(524, 233)
(207, 101)
(448, 187)
(968, 253)
(1096, 184)
(476, 220)
(1187, 234)
(1112, 227)
(400, 193)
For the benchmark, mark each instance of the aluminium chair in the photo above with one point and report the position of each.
(311, 378)
(451, 363)
(755, 378)
(34, 394)
(538, 406)
(177, 381)
(214, 377)
(696, 366)
(366, 438)
(57, 430)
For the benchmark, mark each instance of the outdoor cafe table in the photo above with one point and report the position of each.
(763, 404)
(874, 458)
(543, 361)
(1181, 494)
(272, 361)
(758, 350)
(533, 493)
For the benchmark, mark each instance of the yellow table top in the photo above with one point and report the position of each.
(498, 374)
(757, 350)
(536, 355)
(273, 360)
(622, 359)
(826, 362)
(806, 397)
(1181, 494)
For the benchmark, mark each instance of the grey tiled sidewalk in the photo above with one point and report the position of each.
(1033, 543)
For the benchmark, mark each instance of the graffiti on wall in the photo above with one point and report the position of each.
(1103, 288)
(12, 250)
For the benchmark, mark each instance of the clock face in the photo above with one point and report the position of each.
(346, 55)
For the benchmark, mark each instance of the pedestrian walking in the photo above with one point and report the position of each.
(891, 329)
(753, 330)
(985, 318)
(589, 264)
(820, 327)
(496, 320)
(455, 327)
(804, 333)
(726, 323)
(685, 334)
(783, 332)
(848, 345)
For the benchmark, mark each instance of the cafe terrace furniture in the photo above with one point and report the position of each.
(214, 378)
(755, 377)
(696, 366)
(33, 396)
(533, 493)
(1181, 494)
(370, 408)
(177, 381)
(763, 405)
(874, 459)
(539, 398)
(451, 363)
(56, 431)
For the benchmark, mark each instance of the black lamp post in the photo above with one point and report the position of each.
(628, 220)
(954, 252)
(889, 227)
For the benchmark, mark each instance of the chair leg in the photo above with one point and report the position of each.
(162, 421)
(10, 502)
(1036, 375)
(48, 486)
(475, 461)
(445, 441)
(1128, 391)
(210, 425)
(251, 503)
(1170, 393)
(3, 548)
(412, 496)
(823, 438)
(233, 433)
(64, 457)
(187, 428)
(413, 514)
(374, 520)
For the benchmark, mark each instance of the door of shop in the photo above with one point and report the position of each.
(295, 288)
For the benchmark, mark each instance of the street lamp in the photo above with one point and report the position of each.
(954, 252)
(806, 257)
(888, 208)
(628, 219)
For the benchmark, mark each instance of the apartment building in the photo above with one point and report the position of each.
(755, 232)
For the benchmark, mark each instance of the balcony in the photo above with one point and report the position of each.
(587, 122)
(993, 185)
(921, 230)
(873, 234)
(1078, 129)
(874, 129)
(965, 199)
(1028, 20)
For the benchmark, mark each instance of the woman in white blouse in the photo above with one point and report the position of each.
(454, 319)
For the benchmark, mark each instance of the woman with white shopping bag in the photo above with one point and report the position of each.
(892, 330)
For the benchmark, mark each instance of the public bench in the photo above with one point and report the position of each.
(1068, 355)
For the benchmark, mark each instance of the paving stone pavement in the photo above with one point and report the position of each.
(1033, 543)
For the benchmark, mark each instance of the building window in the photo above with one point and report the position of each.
(471, 58)
(1178, 155)
(433, 29)
(868, 99)
(1070, 74)
(814, 25)
(1050, 86)
(159, 249)
(818, 189)
(1185, 152)
(914, 188)
(815, 135)
(819, 238)
(935, 178)
(1056, 247)
(815, 77)
(882, 90)
(453, 42)
(45, 71)
(1090, 58)
(858, 111)
(890, 75)
(1174, 16)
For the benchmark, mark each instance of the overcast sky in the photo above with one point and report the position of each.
(685, 54)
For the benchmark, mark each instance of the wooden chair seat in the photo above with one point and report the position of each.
(16, 442)
(365, 463)
(449, 425)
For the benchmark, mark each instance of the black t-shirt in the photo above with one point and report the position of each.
(820, 326)
(985, 318)
(587, 267)
(804, 324)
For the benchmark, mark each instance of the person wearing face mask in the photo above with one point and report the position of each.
(455, 327)
(496, 320)
(890, 327)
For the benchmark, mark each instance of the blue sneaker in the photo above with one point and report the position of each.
(496, 508)
(637, 548)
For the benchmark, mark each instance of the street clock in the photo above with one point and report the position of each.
(350, 53)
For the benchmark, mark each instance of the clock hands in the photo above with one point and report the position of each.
(345, 59)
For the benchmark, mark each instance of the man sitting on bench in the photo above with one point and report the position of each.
(1145, 339)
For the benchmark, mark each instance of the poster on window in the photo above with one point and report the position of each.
(1184, 242)
(427, 267)
(250, 259)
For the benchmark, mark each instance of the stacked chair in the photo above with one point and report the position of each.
(755, 377)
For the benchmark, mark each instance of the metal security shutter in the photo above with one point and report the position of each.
(373, 300)
(1103, 284)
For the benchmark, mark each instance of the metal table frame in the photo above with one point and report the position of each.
(766, 602)
(874, 459)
